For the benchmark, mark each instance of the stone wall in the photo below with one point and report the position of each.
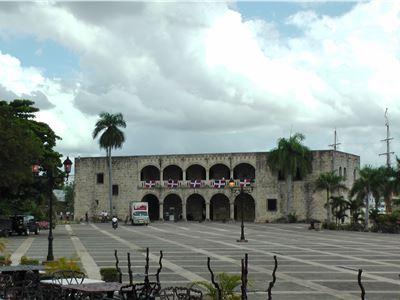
(92, 197)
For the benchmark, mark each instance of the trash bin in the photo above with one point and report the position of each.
(171, 217)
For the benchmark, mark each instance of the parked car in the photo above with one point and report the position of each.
(5, 226)
(24, 224)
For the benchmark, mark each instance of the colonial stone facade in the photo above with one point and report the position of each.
(194, 186)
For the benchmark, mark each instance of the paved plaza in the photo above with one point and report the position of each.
(312, 264)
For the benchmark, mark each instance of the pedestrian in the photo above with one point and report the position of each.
(86, 217)
(61, 215)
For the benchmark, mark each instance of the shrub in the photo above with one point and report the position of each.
(109, 274)
(63, 263)
(3, 245)
(227, 283)
(353, 227)
(5, 260)
(292, 218)
(281, 220)
(28, 261)
(329, 226)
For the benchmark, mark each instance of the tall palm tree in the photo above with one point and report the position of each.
(330, 182)
(291, 158)
(390, 184)
(111, 137)
(367, 185)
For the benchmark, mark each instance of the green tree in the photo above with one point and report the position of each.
(366, 186)
(390, 184)
(291, 158)
(24, 140)
(355, 205)
(329, 182)
(69, 197)
(111, 137)
(339, 206)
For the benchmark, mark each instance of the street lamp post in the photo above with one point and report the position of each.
(241, 191)
(36, 168)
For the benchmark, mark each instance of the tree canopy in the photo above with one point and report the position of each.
(293, 159)
(24, 141)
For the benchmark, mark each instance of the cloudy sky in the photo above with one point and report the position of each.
(200, 77)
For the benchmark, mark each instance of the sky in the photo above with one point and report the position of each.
(208, 77)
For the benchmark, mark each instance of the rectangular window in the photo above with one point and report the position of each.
(281, 176)
(100, 178)
(115, 190)
(298, 175)
(271, 204)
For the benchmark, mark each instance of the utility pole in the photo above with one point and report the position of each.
(334, 146)
(387, 140)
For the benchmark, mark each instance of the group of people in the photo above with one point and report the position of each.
(68, 216)
(104, 216)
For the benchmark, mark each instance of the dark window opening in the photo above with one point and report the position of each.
(281, 176)
(100, 178)
(115, 189)
(271, 204)
(298, 175)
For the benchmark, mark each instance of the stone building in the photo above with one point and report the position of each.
(195, 186)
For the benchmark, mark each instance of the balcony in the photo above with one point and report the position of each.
(193, 184)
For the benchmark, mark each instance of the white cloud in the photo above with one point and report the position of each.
(193, 69)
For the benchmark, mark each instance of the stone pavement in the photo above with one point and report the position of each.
(312, 264)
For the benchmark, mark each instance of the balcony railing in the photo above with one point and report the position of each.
(194, 184)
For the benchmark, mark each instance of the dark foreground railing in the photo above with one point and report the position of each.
(30, 287)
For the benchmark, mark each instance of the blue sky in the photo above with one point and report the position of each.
(199, 77)
(278, 11)
(49, 56)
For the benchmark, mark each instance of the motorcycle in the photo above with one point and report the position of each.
(114, 224)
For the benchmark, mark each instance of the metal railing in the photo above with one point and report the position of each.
(194, 184)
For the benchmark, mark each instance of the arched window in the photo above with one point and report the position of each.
(355, 174)
(340, 171)
(344, 173)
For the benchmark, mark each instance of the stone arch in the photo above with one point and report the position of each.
(172, 206)
(249, 208)
(195, 171)
(244, 171)
(149, 172)
(219, 171)
(154, 206)
(195, 208)
(219, 208)
(173, 172)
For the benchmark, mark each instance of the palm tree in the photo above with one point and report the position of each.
(355, 205)
(339, 207)
(330, 182)
(366, 186)
(390, 184)
(111, 137)
(291, 158)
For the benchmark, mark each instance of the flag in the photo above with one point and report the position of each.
(218, 184)
(195, 183)
(149, 184)
(244, 182)
(172, 183)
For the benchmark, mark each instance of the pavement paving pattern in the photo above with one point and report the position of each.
(311, 264)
